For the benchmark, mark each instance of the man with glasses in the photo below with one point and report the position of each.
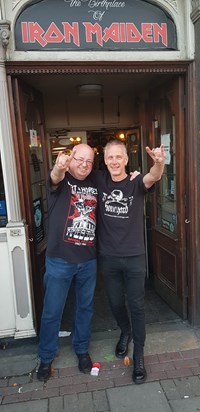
(70, 256)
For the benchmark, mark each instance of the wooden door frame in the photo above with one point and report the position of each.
(168, 249)
(16, 97)
(16, 68)
(192, 199)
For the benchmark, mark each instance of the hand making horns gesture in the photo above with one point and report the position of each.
(63, 161)
(157, 154)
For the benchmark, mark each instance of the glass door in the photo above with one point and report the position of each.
(168, 236)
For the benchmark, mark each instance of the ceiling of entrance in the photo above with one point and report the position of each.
(112, 84)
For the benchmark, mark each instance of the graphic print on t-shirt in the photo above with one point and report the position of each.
(81, 220)
(116, 205)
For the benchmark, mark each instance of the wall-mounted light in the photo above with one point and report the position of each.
(120, 135)
(75, 140)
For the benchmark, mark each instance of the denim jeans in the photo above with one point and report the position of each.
(125, 277)
(57, 280)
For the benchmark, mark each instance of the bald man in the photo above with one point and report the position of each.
(70, 256)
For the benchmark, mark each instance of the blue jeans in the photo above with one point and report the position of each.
(57, 280)
(125, 276)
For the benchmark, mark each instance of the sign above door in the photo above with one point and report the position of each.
(94, 25)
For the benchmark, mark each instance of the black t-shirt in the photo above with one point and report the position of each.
(120, 222)
(72, 220)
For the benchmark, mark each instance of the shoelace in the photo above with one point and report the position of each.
(124, 339)
(139, 362)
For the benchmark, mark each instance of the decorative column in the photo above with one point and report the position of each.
(6, 143)
(15, 281)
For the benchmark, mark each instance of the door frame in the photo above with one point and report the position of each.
(192, 227)
(168, 248)
(17, 90)
(16, 68)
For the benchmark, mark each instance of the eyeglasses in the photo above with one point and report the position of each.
(80, 161)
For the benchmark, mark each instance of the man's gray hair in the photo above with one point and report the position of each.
(115, 143)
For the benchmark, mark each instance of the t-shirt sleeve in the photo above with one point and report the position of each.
(152, 189)
(142, 186)
(53, 194)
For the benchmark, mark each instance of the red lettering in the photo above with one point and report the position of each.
(35, 34)
(32, 32)
(53, 34)
(160, 31)
(24, 27)
(112, 33)
(71, 31)
(123, 32)
(147, 32)
(133, 34)
(93, 29)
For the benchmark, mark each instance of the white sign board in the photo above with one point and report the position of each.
(33, 138)
(165, 140)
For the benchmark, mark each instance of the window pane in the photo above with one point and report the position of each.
(3, 211)
(166, 194)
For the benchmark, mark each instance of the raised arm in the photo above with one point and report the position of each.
(156, 171)
(60, 168)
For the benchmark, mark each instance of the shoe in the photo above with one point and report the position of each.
(44, 371)
(122, 346)
(85, 363)
(139, 371)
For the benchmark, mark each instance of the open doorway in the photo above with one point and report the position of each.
(128, 108)
(157, 310)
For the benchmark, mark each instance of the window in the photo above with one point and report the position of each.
(166, 195)
(3, 211)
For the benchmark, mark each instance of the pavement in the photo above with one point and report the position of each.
(172, 359)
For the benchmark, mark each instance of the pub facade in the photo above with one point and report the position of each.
(89, 71)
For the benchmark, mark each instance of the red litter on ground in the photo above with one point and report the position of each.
(95, 369)
(96, 365)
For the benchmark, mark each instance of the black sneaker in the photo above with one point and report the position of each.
(44, 371)
(85, 363)
(121, 349)
(139, 371)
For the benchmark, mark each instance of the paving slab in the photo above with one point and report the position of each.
(17, 365)
(142, 398)
(171, 340)
(32, 406)
(186, 405)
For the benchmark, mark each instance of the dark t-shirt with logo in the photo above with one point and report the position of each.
(120, 220)
(72, 220)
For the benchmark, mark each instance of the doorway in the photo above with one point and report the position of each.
(157, 310)
(130, 106)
